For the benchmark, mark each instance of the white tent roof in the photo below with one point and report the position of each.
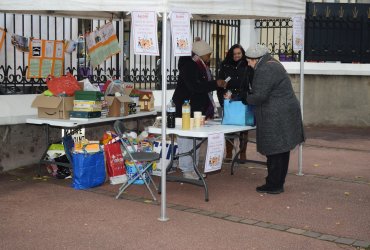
(208, 9)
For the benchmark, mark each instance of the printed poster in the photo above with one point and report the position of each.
(215, 152)
(298, 33)
(20, 42)
(180, 30)
(102, 44)
(70, 46)
(46, 57)
(144, 27)
(2, 37)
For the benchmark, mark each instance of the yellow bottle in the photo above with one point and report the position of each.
(186, 115)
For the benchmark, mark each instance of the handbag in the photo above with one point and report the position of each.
(237, 113)
(115, 163)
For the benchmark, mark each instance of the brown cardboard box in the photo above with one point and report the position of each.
(118, 105)
(53, 107)
(146, 99)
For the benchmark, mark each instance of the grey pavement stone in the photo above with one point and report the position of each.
(249, 221)
(219, 215)
(346, 241)
(328, 237)
(180, 207)
(192, 210)
(312, 234)
(279, 227)
(296, 230)
(361, 243)
(263, 224)
(233, 218)
(334, 178)
(130, 197)
(169, 205)
(204, 212)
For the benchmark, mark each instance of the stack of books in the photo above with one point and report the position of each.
(87, 104)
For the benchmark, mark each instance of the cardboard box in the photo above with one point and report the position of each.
(146, 99)
(53, 107)
(118, 105)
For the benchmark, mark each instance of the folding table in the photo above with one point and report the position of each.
(76, 125)
(197, 133)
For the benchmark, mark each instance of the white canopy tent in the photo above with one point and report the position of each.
(200, 9)
(237, 9)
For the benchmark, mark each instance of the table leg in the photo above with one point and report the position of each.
(201, 182)
(170, 165)
(41, 161)
(236, 157)
(197, 171)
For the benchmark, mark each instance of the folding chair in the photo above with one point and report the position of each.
(130, 153)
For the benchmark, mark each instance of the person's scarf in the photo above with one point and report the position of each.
(204, 69)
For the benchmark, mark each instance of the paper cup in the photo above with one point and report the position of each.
(178, 122)
(197, 122)
(197, 114)
(203, 120)
(191, 123)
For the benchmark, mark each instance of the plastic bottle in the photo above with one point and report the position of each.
(186, 115)
(171, 114)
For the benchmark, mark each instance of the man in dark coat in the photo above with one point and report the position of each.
(278, 116)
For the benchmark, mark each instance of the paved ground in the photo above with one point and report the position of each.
(327, 208)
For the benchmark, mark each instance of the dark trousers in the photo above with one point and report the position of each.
(277, 169)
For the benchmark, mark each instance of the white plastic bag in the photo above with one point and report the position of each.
(88, 86)
(114, 87)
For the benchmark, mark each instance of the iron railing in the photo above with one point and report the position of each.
(333, 32)
(143, 71)
(337, 32)
(277, 35)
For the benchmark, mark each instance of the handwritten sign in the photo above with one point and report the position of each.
(180, 30)
(298, 33)
(144, 27)
(215, 152)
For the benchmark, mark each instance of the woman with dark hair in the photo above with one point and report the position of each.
(236, 67)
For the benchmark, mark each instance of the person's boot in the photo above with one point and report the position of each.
(229, 151)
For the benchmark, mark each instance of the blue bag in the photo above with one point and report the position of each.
(237, 113)
(88, 170)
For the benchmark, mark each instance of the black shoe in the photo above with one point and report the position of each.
(269, 190)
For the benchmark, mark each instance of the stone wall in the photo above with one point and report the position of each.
(342, 101)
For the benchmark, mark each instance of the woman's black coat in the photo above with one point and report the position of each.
(192, 85)
(241, 77)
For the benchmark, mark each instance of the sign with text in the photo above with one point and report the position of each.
(180, 30)
(298, 33)
(215, 152)
(144, 27)
(102, 44)
(46, 57)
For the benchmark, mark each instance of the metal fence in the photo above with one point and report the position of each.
(143, 71)
(277, 35)
(338, 32)
(333, 32)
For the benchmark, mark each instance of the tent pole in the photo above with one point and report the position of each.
(301, 92)
(163, 216)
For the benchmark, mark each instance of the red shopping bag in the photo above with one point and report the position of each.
(115, 163)
(64, 85)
